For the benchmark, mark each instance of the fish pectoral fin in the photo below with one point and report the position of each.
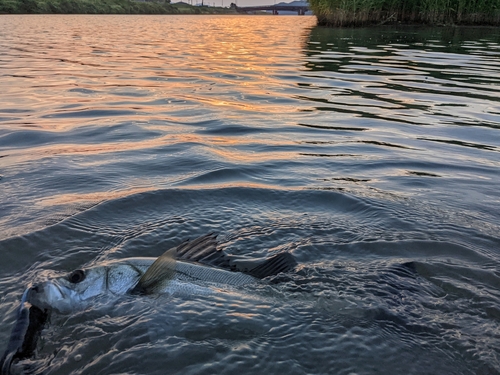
(281, 262)
(158, 274)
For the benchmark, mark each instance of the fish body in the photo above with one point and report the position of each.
(69, 293)
(194, 267)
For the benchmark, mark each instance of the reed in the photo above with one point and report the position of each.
(435, 12)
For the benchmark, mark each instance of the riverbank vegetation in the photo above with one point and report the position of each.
(434, 12)
(103, 7)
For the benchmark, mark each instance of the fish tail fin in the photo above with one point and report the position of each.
(281, 262)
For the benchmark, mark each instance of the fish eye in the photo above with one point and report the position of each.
(76, 276)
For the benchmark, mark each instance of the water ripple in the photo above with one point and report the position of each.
(370, 154)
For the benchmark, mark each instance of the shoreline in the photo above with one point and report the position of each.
(333, 22)
(104, 7)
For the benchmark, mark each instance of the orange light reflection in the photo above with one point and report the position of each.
(223, 147)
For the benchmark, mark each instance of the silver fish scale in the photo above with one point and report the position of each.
(194, 272)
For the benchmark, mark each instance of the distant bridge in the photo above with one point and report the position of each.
(301, 10)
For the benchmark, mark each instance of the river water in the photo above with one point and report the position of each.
(370, 154)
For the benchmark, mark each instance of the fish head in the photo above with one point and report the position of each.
(70, 292)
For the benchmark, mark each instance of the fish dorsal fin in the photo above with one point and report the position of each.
(282, 262)
(198, 249)
(158, 274)
(204, 250)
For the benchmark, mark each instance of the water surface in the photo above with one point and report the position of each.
(370, 154)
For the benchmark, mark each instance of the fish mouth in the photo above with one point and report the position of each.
(25, 334)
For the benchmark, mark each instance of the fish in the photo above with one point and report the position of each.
(195, 267)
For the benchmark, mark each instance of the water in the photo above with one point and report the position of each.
(371, 154)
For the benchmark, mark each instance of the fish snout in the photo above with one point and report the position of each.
(41, 295)
(50, 295)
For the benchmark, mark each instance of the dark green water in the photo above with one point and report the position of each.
(370, 154)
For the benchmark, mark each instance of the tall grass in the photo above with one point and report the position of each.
(363, 12)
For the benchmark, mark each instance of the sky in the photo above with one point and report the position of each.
(241, 3)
